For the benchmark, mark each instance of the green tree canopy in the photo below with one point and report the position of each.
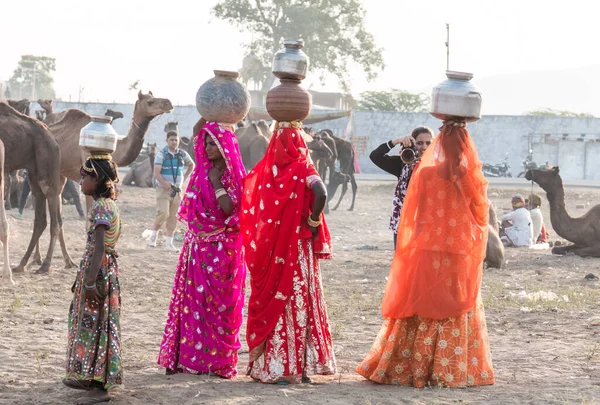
(23, 80)
(333, 32)
(549, 112)
(393, 100)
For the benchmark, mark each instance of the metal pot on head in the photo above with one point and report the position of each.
(98, 136)
(456, 97)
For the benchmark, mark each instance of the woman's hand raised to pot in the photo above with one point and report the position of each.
(215, 175)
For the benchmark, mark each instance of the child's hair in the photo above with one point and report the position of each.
(421, 130)
(105, 170)
(172, 133)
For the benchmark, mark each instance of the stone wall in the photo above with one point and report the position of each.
(557, 140)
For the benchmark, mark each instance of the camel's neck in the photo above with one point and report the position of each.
(564, 225)
(128, 148)
(152, 157)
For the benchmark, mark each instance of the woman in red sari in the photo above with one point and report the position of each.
(434, 330)
(285, 235)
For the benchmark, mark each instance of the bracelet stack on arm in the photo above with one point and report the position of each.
(220, 193)
(313, 223)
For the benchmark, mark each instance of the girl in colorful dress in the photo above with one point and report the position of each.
(94, 339)
(434, 331)
(285, 235)
(202, 330)
(421, 138)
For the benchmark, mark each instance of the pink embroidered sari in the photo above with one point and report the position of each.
(202, 329)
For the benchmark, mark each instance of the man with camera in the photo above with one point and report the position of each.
(168, 181)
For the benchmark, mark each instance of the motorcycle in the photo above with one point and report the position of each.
(529, 164)
(497, 170)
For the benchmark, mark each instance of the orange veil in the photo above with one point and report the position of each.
(442, 235)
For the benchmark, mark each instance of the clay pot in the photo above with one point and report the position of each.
(223, 98)
(289, 101)
(98, 137)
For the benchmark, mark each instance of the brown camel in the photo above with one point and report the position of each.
(142, 173)
(265, 129)
(114, 114)
(494, 252)
(322, 163)
(345, 155)
(253, 144)
(583, 232)
(66, 132)
(29, 145)
(21, 106)
(51, 116)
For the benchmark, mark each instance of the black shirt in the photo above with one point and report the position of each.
(391, 164)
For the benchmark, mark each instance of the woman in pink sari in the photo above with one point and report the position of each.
(202, 330)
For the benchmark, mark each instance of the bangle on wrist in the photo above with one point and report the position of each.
(89, 287)
(313, 223)
(220, 193)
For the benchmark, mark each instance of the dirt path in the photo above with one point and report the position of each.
(544, 352)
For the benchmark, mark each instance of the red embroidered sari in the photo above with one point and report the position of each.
(287, 331)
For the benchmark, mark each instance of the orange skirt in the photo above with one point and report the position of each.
(416, 351)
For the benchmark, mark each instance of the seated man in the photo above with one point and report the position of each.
(517, 229)
(533, 204)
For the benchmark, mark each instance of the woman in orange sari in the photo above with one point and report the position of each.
(434, 331)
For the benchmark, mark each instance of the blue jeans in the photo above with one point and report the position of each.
(395, 240)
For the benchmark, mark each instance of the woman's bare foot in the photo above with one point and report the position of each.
(94, 396)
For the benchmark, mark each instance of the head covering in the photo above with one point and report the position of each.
(199, 207)
(518, 201)
(442, 236)
(535, 199)
(275, 207)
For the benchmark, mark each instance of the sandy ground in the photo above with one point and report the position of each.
(544, 352)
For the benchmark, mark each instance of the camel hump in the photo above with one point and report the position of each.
(72, 115)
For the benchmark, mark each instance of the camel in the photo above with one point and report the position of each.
(583, 232)
(323, 162)
(345, 155)
(265, 129)
(494, 252)
(40, 115)
(21, 106)
(142, 173)
(30, 146)
(51, 116)
(253, 144)
(66, 133)
(114, 114)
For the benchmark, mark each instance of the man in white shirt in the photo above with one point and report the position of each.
(517, 225)
(537, 220)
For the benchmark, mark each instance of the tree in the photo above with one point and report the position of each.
(393, 100)
(333, 32)
(33, 77)
(549, 112)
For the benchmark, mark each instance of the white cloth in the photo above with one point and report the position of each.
(521, 231)
(537, 220)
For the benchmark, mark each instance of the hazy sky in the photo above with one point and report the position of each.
(173, 46)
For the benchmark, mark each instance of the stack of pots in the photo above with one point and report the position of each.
(289, 101)
(98, 137)
(456, 98)
(223, 98)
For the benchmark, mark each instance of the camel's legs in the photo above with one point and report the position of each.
(331, 189)
(354, 188)
(4, 223)
(55, 228)
(344, 190)
(39, 223)
(588, 251)
(562, 250)
(69, 263)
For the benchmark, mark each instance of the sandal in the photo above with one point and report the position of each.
(77, 384)
(306, 380)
